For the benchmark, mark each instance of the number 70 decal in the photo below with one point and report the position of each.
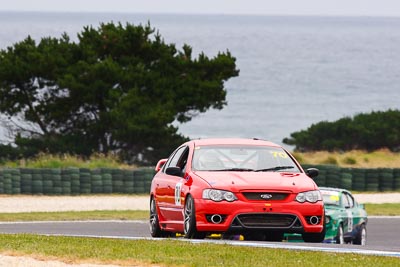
(276, 154)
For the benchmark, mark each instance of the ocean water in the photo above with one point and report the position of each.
(294, 71)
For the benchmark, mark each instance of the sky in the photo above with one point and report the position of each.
(257, 7)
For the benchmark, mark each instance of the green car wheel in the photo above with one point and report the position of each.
(340, 235)
(361, 238)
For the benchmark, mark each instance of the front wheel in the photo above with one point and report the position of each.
(189, 223)
(314, 237)
(340, 235)
(361, 238)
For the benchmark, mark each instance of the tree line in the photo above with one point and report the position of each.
(118, 89)
(365, 131)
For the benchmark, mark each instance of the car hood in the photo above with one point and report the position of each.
(237, 181)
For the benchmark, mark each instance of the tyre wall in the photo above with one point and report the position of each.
(358, 179)
(75, 181)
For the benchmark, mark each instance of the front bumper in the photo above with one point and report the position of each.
(239, 216)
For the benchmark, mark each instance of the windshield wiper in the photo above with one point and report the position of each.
(236, 170)
(277, 168)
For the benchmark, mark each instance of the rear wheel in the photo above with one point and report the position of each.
(361, 238)
(189, 223)
(340, 235)
(155, 229)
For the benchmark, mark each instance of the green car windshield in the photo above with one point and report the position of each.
(331, 197)
(242, 158)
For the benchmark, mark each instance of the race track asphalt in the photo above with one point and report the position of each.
(383, 232)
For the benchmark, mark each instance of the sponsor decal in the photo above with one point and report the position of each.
(178, 189)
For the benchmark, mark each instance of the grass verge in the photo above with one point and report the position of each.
(67, 161)
(387, 209)
(173, 253)
(76, 215)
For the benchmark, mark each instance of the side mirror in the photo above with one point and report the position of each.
(160, 164)
(312, 172)
(175, 171)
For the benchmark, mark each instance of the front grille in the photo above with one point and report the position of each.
(264, 196)
(266, 220)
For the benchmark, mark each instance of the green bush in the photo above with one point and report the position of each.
(364, 131)
(349, 161)
(330, 160)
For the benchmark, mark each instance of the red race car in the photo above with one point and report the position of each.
(247, 187)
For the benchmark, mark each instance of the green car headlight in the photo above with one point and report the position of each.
(327, 219)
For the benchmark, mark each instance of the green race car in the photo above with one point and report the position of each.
(345, 219)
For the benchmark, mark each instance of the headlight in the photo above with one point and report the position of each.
(309, 196)
(218, 195)
(327, 219)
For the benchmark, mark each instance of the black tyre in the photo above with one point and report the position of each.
(340, 235)
(189, 223)
(155, 229)
(361, 238)
(314, 237)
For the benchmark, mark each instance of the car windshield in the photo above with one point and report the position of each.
(330, 197)
(242, 158)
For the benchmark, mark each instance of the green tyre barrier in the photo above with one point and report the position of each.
(85, 189)
(7, 181)
(37, 187)
(26, 183)
(96, 183)
(66, 175)
(372, 180)
(66, 187)
(139, 187)
(85, 178)
(346, 180)
(332, 180)
(1, 182)
(129, 181)
(118, 186)
(47, 187)
(16, 191)
(117, 181)
(386, 182)
(320, 180)
(106, 178)
(358, 179)
(396, 179)
(332, 176)
(16, 184)
(57, 181)
(85, 181)
(56, 190)
(75, 183)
